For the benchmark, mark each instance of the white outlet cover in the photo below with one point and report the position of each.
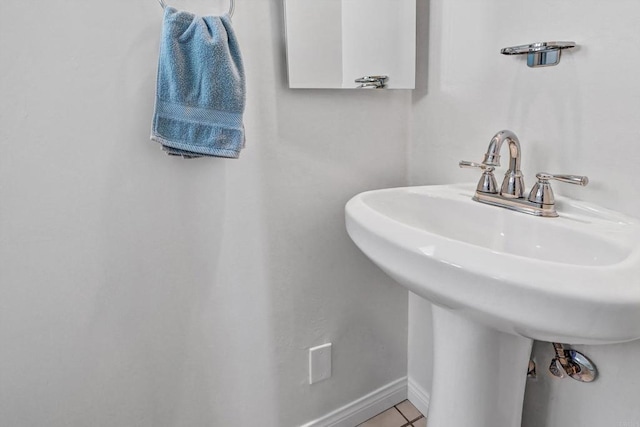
(319, 363)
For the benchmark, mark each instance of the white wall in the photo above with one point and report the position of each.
(579, 117)
(139, 289)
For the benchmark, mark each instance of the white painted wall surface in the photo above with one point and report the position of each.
(579, 117)
(142, 290)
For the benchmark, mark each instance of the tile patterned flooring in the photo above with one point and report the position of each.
(404, 414)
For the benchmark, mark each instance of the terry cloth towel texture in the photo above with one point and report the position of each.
(200, 92)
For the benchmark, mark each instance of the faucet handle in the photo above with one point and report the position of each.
(542, 192)
(569, 179)
(468, 164)
(471, 165)
(487, 183)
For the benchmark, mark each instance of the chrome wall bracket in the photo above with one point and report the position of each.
(572, 363)
(541, 54)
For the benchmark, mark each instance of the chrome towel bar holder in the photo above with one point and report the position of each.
(232, 6)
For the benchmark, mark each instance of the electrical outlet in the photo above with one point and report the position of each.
(319, 363)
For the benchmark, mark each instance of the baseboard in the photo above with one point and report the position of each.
(364, 408)
(418, 396)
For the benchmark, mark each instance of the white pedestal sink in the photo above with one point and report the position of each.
(499, 280)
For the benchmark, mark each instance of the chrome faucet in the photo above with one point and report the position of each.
(540, 202)
(513, 184)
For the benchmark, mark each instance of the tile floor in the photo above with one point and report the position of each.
(404, 414)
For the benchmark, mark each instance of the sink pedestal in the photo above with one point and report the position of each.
(570, 279)
(479, 374)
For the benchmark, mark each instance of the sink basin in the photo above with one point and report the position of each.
(571, 279)
(499, 279)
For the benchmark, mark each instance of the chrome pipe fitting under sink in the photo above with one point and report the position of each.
(572, 363)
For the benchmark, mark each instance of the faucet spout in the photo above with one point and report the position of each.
(513, 183)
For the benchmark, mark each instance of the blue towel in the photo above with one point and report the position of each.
(200, 93)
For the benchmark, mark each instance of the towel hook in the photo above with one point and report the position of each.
(232, 6)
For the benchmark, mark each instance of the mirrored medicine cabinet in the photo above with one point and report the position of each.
(332, 44)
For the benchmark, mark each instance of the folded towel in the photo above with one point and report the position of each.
(200, 93)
